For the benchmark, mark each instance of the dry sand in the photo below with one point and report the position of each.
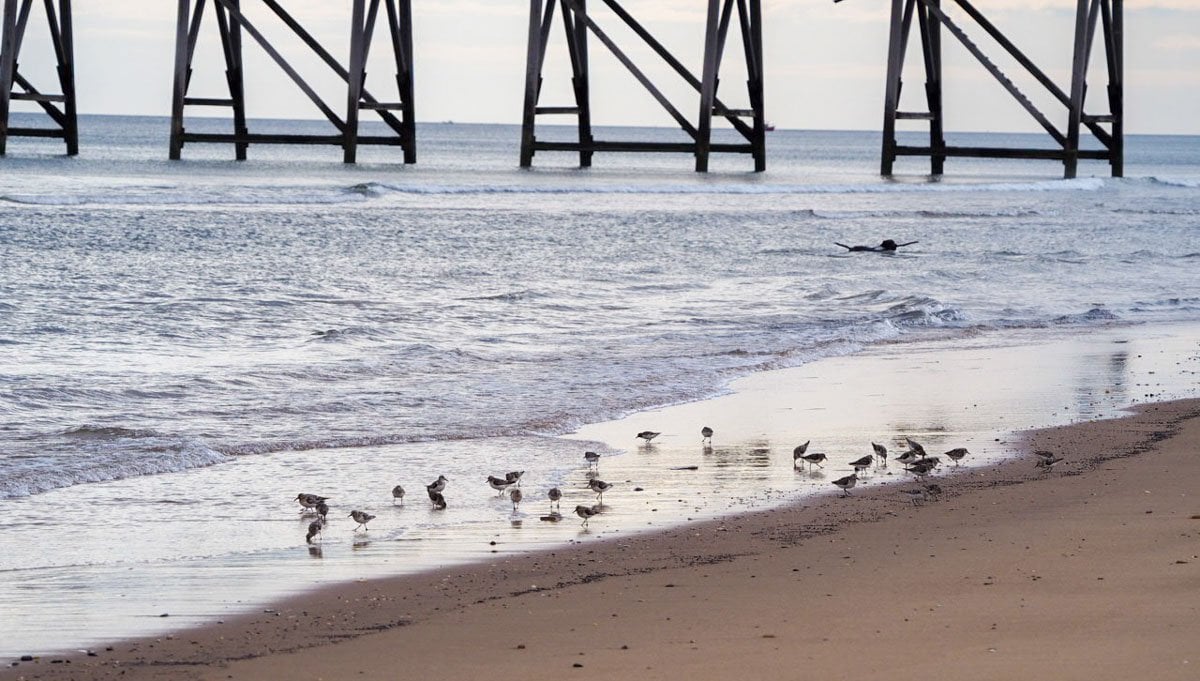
(1088, 572)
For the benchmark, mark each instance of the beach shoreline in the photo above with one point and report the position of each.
(765, 590)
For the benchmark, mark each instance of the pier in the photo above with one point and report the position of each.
(586, 27)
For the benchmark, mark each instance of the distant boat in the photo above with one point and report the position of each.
(769, 127)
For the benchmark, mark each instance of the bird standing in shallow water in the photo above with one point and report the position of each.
(514, 477)
(706, 434)
(881, 452)
(398, 493)
(847, 483)
(585, 512)
(592, 459)
(915, 447)
(798, 452)
(362, 518)
(314, 528)
(516, 497)
(648, 435)
(599, 487)
(862, 464)
(438, 485)
(555, 495)
(322, 510)
(814, 458)
(438, 501)
(309, 501)
(498, 484)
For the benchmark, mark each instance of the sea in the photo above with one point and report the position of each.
(187, 345)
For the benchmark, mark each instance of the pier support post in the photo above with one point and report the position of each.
(13, 25)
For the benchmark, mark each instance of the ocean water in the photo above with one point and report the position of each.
(184, 346)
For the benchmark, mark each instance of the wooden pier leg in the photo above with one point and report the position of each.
(354, 82)
(409, 124)
(66, 77)
(237, 90)
(757, 100)
(932, 42)
(891, 98)
(8, 67)
(580, 83)
(533, 78)
(1078, 90)
(179, 89)
(1116, 88)
(708, 85)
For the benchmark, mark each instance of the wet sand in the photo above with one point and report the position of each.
(1089, 571)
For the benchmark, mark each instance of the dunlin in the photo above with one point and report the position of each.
(799, 452)
(921, 468)
(915, 447)
(907, 457)
(362, 518)
(847, 483)
(585, 512)
(599, 487)
(957, 454)
(592, 459)
(438, 485)
(398, 493)
(438, 501)
(862, 464)
(314, 528)
(648, 435)
(516, 497)
(555, 495)
(514, 477)
(322, 510)
(814, 458)
(309, 501)
(706, 434)
(881, 452)
(498, 484)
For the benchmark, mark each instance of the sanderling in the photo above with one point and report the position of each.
(916, 496)
(555, 495)
(706, 434)
(881, 452)
(862, 464)
(438, 501)
(362, 518)
(648, 435)
(314, 528)
(514, 477)
(957, 454)
(585, 512)
(592, 459)
(599, 487)
(516, 497)
(498, 484)
(814, 458)
(308, 501)
(398, 493)
(438, 485)
(846, 483)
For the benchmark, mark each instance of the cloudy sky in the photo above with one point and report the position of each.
(824, 62)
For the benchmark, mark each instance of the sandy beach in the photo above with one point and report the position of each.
(1091, 570)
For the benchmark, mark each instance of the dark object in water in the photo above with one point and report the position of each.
(888, 246)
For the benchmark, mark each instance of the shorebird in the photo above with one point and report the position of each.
(585, 512)
(599, 487)
(799, 452)
(921, 468)
(907, 457)
(933, 492)
(846, 483)
(814, 458)
(706, 434)
(314, 528)
(516, 497)
(648, 435)
(398, 493)
(881, 452)
(322, 510)
(498, 484)
(592, 459)
(555, 495)
(1047, 460)
(438, 485)
(862, 464)
(514, 477)
(362, 518)
(915, 447)
(439, 501)
(916, 496)
(308, 501)
(956, 454)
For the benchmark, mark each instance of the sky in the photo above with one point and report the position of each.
(825, 63)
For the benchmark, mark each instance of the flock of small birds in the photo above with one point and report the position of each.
(915, 460)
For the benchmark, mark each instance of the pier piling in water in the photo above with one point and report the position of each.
(59, 107)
